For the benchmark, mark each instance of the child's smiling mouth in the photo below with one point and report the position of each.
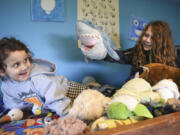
(24, 74)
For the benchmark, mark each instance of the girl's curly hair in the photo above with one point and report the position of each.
(163, 49)
(8, 45)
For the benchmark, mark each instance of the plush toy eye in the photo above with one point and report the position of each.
(136, 23)
(47, 120)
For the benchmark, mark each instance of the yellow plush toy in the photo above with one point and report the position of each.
(105, 123)
(135, 91)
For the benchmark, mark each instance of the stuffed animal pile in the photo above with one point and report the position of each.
(129, 98)
(126, 106)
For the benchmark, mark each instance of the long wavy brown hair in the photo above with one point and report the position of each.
(163, 49)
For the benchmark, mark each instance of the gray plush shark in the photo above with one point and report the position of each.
(94, 42)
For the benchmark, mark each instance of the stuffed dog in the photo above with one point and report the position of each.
(155, 72)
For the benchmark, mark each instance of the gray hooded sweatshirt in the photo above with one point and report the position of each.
(43, 88)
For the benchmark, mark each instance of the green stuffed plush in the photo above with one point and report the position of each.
(141, 110)
(118, 111)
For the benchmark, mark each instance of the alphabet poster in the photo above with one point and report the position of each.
(103, 13)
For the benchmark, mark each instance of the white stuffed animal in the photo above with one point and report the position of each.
(167, 89)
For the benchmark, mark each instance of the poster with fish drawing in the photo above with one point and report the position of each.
(137, 24)
(47, 10)
(103, 13)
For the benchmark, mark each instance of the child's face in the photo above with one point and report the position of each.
(18, 66)
(147, 40)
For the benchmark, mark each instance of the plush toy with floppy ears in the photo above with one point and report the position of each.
(155, 72)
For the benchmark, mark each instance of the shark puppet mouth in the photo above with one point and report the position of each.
(88, 41)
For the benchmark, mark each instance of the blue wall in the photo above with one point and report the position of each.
(56, 41)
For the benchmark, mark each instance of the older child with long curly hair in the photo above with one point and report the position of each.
(155, 45)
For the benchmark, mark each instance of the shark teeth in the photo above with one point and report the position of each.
(88, 40)
(89, 35)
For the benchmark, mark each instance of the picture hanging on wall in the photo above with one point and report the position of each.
(137, 25)
(47, 10)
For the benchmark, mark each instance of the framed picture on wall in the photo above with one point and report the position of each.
(137, 25)
(47, 10)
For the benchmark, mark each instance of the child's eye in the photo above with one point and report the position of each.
(26, 60)
(15, 65)
(146, 35)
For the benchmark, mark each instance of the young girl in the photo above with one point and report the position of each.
(33, 83)
(155, 45)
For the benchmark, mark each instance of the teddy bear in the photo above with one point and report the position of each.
(66, 126)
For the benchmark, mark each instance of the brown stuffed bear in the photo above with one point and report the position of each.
(155, 72)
